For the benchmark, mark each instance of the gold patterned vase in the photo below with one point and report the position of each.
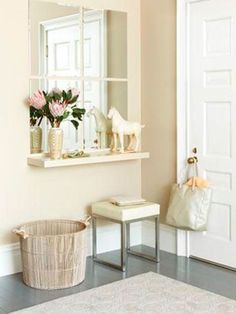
(35, 139)
(55, 142)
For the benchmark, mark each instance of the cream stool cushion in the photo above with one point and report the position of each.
(125, 213)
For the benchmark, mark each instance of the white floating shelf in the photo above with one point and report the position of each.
(43, 161)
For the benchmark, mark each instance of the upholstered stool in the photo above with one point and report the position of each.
(125, 215)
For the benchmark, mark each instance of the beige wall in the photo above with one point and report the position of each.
(28, 193)
(159, 98)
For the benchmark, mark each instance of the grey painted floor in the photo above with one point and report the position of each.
(14, 295)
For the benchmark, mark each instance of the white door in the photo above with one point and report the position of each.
(212, 121)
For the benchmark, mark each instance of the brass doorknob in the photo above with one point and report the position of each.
(193, 159)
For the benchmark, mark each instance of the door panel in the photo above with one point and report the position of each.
(211, 127)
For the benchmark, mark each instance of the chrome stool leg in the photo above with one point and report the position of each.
(94, 226)
(123, 246)
(156, 257)
(99, 260)
(157, 239)
(128, 235)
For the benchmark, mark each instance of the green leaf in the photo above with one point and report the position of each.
(80, 111)
(32, 111)
(56, 96)
(66, 115)
(74, 99)
(49, 98)
(64, 95)
(69, 94)
(75, 123)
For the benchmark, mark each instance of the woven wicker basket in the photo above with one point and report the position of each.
(53, 253)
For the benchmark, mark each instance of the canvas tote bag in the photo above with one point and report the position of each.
(189, 206)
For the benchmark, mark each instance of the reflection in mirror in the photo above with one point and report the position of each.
(97, 128)
(54, 38)
(105, 44)
(116, 44)
(93, 65)
(55, 41)
(37, 120)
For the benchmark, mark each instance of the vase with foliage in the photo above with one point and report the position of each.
(61, 106)
(36, 103)
(57, 106)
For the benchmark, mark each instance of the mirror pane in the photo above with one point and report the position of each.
(99, 98)
(116, 44)
(105, 43)
(95, 130)
(54, 38)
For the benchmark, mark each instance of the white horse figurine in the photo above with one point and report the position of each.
(121, 127)
(103, 127)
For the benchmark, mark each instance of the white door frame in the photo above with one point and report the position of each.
(182, 237)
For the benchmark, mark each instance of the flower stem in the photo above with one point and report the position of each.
(40, 120)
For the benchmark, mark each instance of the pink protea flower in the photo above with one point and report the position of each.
(38, 100)
(75, 92)
(56, 90)
(57, 108)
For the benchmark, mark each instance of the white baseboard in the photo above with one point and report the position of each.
(108, 240)
(10, 259)
(167, 236)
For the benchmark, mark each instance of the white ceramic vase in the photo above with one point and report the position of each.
(35, 139)
(55, 142)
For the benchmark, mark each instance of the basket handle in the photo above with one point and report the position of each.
(85, 220)
(21, 233)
